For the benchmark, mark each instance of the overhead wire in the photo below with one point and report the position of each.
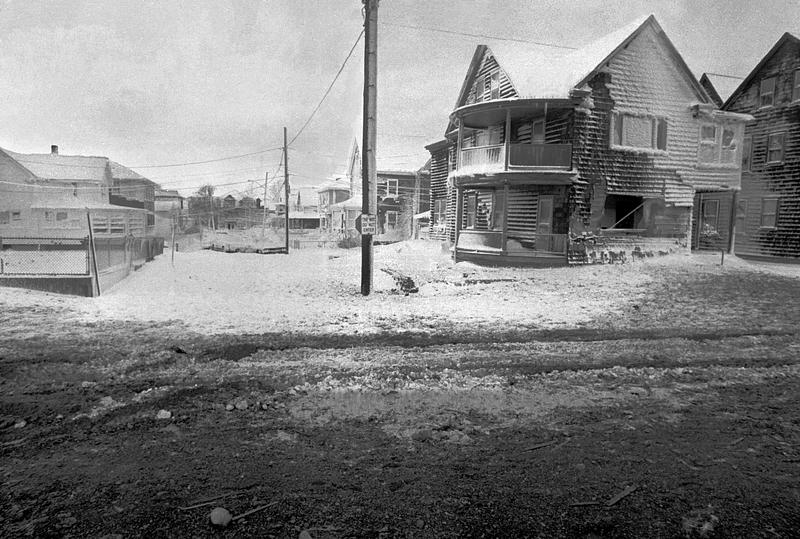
(484, 36)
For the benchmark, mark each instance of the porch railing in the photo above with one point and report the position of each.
(520, 156)
(483, 156)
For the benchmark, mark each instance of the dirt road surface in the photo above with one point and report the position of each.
(668, 407)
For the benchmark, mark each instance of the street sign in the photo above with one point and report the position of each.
(366, 224)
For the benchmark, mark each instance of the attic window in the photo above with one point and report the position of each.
(494, 90)
(480, 85)
(796, 87)
(767, 92)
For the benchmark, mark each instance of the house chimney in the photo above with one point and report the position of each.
(54, 149)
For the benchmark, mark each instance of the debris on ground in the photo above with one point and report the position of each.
(220, 517)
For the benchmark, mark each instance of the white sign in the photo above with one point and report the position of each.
(367, 224)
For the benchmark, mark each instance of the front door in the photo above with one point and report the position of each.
(544, 223)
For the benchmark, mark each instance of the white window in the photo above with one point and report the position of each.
(769, 212)
(775, 147)
(718, 144)
(388, 187)
(767, 92)
(639, 131)
(747, 151)
(796, 87)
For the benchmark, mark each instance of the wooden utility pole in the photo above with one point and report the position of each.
(286, 185)
(369, 201)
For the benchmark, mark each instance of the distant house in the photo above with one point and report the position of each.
(132, 190)
(169, 212)
(331, 194)
(768, 215)
(719, 87)
(616, 141)
(50, 195)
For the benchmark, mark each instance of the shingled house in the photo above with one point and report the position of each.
(613, 142)
(768, 216)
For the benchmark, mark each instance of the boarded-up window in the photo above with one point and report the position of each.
(117, 225)
(769, 212)
(100, 224)
(775, 148)
(636, 131)
(747, 150)
(767, 92)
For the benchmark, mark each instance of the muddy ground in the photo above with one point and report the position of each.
(677, 415)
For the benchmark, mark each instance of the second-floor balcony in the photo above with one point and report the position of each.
(515, 156)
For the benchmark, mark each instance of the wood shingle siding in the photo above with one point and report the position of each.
(771, 185)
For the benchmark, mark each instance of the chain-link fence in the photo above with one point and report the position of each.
(44, 256)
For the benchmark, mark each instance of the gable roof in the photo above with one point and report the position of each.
(785, 38)
(121, 172)
(539, 73)
(49, 166)
(719, 87)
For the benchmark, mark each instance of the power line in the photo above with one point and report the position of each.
(723, 75)
(208, 160)
(485, 36)
(349, 54)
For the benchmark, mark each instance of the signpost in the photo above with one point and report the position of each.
(367, 224)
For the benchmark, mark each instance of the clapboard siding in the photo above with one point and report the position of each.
(489, 67)
(771, 180)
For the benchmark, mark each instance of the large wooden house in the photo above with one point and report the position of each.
(768, 219)
(577, 156)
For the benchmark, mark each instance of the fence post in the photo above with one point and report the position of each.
(93, 252)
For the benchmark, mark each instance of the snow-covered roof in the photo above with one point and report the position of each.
(121, 172)
(338, 183)
(723, 85)
(539, 72)
(352, 203)
(51, 166)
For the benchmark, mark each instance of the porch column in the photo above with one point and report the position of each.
(507, 136)
(458, 143)
(459, 216)
(505, 216)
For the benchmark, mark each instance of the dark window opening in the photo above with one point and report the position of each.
(622, 211)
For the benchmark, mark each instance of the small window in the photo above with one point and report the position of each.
(769, 212)
(61, 216)
(49, 216)
(391, 220)
(728, 146)
(16, 216)
(619, 120)
(660, 133)
(775, 148)
(747, 150)
(494, 90)
(74, 189)
(796, 87)
(480, 84)
(767, 92)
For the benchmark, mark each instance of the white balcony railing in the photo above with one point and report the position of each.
(520, 156)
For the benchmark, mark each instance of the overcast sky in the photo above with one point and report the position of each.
(161, 82)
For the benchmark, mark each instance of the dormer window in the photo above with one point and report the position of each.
(767, 92)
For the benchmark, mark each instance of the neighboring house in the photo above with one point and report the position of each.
(719, 87)
(50, 195)
(332, 193)
(613, 142)
(768, 217)
(402, 195)
(169, 212)
(132, 190)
